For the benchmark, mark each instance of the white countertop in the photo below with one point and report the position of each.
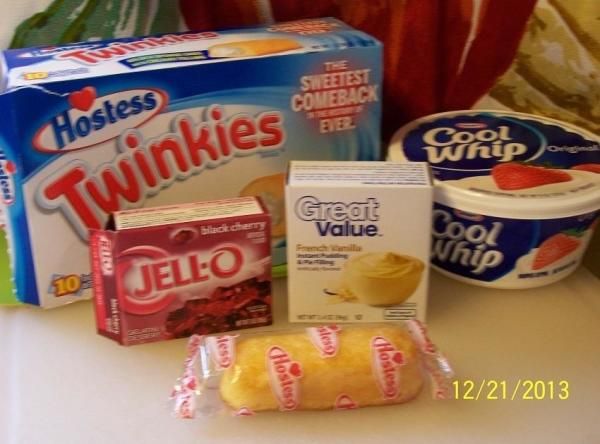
(61, 383)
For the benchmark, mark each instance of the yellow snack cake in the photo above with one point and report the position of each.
(356, 373)
(317, 368)
(250, 48)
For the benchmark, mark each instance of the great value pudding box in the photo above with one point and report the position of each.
(96, 127)
(358, 240)
(173, 271)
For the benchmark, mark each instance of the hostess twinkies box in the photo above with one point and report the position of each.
(173, 271)
(358, 241)
(93, 128)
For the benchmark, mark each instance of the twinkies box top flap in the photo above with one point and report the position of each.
(41, 65)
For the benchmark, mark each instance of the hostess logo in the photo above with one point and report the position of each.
(325, 339)
(91, 120)
(284, 375)
(222, 350)
(386, 362)
(338, 218)
(7, 185)
(472, 143)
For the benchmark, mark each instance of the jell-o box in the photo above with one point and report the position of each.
(358, 241)
(173, 271)
(168, 119)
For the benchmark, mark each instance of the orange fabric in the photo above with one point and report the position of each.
(424, 42)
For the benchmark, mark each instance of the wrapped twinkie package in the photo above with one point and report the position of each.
(97, 127)
(318, 368)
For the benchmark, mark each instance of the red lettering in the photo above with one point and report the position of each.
(242, 132)
(223, 141)
(221, 272)
(223, 349)
(216, 114)
(107, 53)
(161, 276)
(79, 54)
(281, 370)
(118, 49)
(196, 268)
(146, 280)
(143, 165)
(270, 125)
(190, 37)
(276, 354)
(428, 346)
(66, 186)
(163, 158)
(143, 44)
(178, 278)
(385, 348)
(130, 190)
(127, 47)
(197, 145)
(326, 339)
(162, 41)
(172, 146)
(387, 361)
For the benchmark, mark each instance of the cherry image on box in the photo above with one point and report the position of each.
(170, 272)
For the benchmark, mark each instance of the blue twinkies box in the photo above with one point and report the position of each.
(91, 128)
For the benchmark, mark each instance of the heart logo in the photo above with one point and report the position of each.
(10, 167)
(83, 99)
(295, 369)
(398, 358)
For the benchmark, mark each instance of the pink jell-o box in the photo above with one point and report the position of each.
(173, 271)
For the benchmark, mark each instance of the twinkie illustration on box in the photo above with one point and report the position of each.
(97, 127)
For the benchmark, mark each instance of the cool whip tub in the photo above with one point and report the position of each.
(97, 127)
(517, 196)
(354, 253)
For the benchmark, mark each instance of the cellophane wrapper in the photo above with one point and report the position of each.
(329, 367)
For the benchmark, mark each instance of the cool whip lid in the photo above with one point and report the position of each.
(504, 163)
